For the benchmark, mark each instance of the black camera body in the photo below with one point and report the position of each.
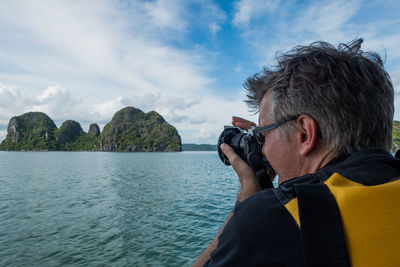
(246, 146)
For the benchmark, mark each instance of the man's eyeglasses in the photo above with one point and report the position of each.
(257, 132)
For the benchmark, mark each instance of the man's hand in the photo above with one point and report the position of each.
(249, 186)
(242, 123)
(248, 180)
(246, 125)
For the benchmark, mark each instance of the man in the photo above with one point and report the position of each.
(333, 114)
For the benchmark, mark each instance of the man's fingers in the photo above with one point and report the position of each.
(241, 167)
(229, 153)
(248, 181)
(234, 118)
(242, 123)
(234, 159)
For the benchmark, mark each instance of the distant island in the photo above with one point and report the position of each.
(129, 130)
(201, 147)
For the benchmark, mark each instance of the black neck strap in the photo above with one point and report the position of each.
(321, 226)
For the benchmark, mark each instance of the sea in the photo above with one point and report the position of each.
(111, 209)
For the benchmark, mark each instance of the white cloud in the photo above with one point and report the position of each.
(3, 135)
(396, 81)
(166, 14)
(384, 44)
(249, 9)
(326, 21)
(85, 61)
(214, 27)
(325, 18)
(214, 16)
(172, 108)
(92, 45)
(105, 110)
(204, 134)
(238, 68)
(198, 120)
(217, 112)
(332, 21)
(12, 101)
(55, 101)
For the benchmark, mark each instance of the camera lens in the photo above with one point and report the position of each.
(247, 148)
(230, 136)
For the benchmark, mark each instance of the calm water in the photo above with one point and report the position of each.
(111, 209)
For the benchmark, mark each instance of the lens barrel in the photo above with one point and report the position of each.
(248, 149)
(231, 136)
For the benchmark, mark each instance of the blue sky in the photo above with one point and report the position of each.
(85, 60)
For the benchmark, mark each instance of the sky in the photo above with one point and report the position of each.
(187, 60)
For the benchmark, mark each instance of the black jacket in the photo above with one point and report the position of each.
(263, 233)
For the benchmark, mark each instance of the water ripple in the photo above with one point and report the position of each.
(119, 209)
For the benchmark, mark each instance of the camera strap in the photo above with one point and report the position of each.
(321, 226)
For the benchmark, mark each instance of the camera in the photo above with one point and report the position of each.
(246, 146)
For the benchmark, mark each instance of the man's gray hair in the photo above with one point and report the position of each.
(347, 92)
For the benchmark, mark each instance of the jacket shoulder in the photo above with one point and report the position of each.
(267, 231)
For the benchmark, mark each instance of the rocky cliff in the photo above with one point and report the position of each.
(69, 132)
(30, 131)
(133, 130)
(94, 129)
(130, 130)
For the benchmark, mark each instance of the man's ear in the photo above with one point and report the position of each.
(307, 134)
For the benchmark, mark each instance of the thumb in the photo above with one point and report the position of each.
(239, 165)
(229, 152)
(247, 178)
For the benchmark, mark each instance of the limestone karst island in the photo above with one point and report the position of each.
(129, 130)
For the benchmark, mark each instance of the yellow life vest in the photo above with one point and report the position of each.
(369, 218)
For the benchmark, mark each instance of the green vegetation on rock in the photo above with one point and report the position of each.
(30, 131)
(71, 137)
(94, 130)
(396, 136)
(69, 132)
(130, 130)
(133, 130)
(83, 142)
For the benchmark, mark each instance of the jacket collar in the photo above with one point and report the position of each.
(368, 167)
